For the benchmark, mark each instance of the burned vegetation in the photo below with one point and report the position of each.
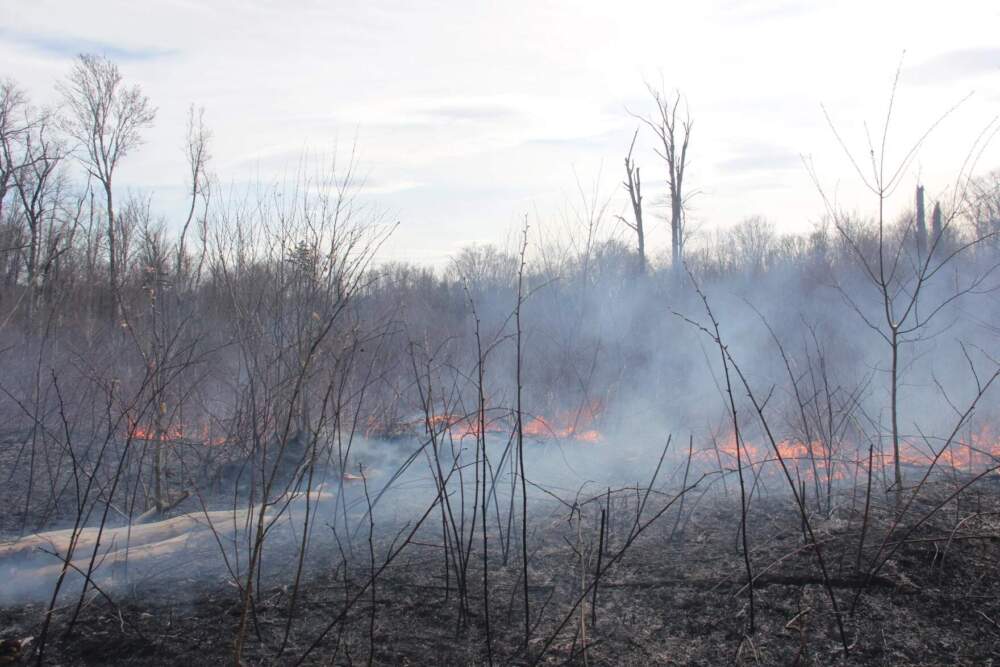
(251, 441)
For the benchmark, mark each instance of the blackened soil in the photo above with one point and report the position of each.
(677, 597)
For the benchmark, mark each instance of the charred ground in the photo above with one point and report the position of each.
(678, 596)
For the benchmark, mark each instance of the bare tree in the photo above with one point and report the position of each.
(520, 436)
(674, 135)
(633, 185)
(982, 204)
(105, 117)
(588, 214)
(34, 156)
(905, 303)
(921, 223)
(196, 149)
(12, 114)
(483, 267)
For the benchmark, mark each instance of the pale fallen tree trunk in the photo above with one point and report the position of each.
(35, 561)
(58, 541)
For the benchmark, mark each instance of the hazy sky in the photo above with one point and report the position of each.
(469, 114)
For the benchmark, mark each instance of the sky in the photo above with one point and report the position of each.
(466, 116)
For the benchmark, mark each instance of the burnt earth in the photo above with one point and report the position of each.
(676, 598)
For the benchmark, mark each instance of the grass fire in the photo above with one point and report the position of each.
(469, 334)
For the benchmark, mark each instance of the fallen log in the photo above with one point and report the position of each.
(34, 560)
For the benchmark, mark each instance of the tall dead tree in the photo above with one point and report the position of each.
(674, 135)
(633, 185)
(105, 118)
(196, 150)
(921, 224)
(937, 227)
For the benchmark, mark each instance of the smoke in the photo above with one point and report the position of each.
(300, 377)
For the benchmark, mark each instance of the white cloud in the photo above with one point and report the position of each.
(469, 114)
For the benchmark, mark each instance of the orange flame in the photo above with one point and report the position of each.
(981, 450)
(174, 433)
(575, 425)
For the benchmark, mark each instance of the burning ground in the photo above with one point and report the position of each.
(454, 524)
(621, 571)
